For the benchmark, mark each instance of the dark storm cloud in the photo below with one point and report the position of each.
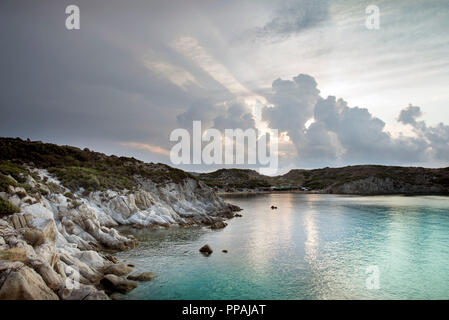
(94, 84)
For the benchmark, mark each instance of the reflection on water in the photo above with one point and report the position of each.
(312, 247)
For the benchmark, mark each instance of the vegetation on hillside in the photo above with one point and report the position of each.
(77, 168)
(322, 179)
(7, 207)
(235, 178)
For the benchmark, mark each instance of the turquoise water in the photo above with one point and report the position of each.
(312, 247)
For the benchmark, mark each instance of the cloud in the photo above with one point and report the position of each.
(204, 110)
(343, 134)
(437, 136)
(236, 115)
(231, 114)
(294, 16)
(294, 103)
(409, 115)
(180, 77)
(190, 47)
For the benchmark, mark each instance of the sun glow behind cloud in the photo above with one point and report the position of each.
(147, 147)
(190, 48)
(180, 77)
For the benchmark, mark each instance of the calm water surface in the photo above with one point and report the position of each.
(312, 247)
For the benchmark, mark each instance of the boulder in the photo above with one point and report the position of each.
(119, 269)
(111, 258)
(34, 237)
(59, 268)
(218, 225)
(224, 251)
(50, 231)
(53, 280)
(84, 292)
(23, 221)
(92, 259)
(97, 295)
(144, 276)
(23, 283)
(206, 250)
(15, 222)
(113, 283)
(29, 219)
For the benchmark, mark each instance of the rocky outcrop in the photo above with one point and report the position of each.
(119, 269)
(19, 282)
(52, 248)
(113, 283)
(218, 225)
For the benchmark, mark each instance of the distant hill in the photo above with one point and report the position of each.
(235, 178)
(361, 179)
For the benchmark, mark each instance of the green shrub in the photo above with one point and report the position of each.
(54, 188)
(5, 182)
(69, 195)
(16, 171)
(7, 207)
(43, 191)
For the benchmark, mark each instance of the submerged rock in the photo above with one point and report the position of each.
(144, 276)
(206, 250)
(113, 283)
(218, 225)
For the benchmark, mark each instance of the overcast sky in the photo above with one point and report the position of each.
(340, 93)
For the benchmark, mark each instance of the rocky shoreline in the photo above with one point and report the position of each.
(54, 246)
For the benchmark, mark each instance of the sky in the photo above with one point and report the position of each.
(338, 92)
